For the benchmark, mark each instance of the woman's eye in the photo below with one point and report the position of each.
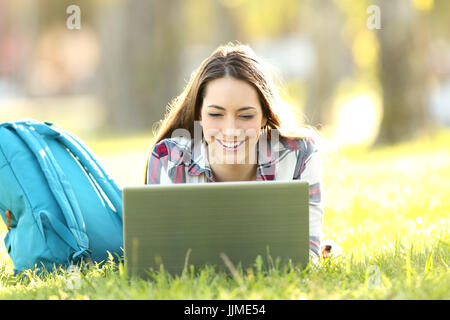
(242, 116)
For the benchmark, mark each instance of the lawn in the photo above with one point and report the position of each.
(388, 208)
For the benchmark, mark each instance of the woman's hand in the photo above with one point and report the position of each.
(329, 248)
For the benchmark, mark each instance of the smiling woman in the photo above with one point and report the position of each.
(231, 131)
(228, 107)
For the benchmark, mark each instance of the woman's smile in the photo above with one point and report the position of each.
(231, 145)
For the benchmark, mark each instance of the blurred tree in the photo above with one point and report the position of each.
(36, 30)
(403, 41)
(142, 42)
(225, 26)
(437, 19)
(256, 19)
(22, 24)
(267, 20)
(324, 31)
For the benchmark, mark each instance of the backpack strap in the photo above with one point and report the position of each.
(61, 189)
(90, 162)
(87, 159)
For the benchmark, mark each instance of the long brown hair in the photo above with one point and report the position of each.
(233, 60)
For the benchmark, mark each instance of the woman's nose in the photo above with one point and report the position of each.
(232, 129)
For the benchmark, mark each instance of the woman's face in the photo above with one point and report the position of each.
(232, 118)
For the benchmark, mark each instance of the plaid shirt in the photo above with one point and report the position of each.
(180, 160)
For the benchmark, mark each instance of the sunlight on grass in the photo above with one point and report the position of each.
(387, 207)
(378, 197)
(358, 120)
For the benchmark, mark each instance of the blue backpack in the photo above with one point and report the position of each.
(59, 204)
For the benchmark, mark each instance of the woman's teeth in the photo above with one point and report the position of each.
(230, 145)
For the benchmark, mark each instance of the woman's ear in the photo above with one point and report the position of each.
(263, 122)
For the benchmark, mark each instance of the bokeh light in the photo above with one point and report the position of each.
(358, 120)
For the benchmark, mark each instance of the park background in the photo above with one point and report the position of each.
(380, 97)
(116, 74)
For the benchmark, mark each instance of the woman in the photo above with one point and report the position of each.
(228, 107)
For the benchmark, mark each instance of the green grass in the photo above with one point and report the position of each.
(387, 207)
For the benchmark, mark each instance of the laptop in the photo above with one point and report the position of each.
(224, 224)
